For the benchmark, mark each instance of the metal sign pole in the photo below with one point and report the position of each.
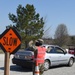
(6, 65)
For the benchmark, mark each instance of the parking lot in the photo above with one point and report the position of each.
(16, 70)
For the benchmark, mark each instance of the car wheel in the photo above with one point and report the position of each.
(46, 65)
(71, 61)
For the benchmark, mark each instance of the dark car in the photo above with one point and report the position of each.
(23, 58)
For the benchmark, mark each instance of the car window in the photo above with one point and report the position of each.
(58, 50)
(50, 49)
(54, 50)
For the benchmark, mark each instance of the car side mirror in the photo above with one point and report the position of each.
(65, 52)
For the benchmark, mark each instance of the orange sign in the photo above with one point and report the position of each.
(10, 40)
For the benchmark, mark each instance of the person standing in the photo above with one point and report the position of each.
(39, 54)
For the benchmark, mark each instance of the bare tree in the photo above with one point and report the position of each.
(61, 35)
(47, 32)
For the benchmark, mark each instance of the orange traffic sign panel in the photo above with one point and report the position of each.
(10, 40)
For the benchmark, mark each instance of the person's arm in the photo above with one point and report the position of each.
(32, 46)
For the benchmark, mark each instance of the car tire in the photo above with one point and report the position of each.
(71, 61)
(46, 65)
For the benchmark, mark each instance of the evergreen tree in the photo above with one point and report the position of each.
(28, 23)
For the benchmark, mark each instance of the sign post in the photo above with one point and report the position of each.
(7, 63)
(10, 42)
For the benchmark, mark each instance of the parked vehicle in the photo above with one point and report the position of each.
(71, 49)
(55, 55)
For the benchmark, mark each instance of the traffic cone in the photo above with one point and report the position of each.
(36, 69)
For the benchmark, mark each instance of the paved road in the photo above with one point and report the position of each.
(16, 70)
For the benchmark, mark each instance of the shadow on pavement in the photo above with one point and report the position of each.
(60, 66)
(17, 68)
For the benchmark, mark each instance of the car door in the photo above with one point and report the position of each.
(52, 56)
(62, 57)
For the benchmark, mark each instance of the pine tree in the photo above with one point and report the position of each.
(28, 23)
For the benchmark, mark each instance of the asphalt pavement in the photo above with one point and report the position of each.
(17, 70)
